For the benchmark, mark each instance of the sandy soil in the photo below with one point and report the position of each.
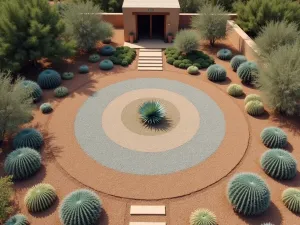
(213, 197)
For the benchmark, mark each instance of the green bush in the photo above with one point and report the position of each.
(94, 58)
(106, 64)
(18, 219)
(152, 112)
(279, 164)
(176, 63)
(236, 61)
(290, 198)
(67, 76)
(276, 34)
(255, 108)
(248, 194)
(34, 88)
(6, 192)
(216, 73)
(211, 23)
(49, 79)
(274, 137)
(224, 54)
(40, 197)
(123, 56)
(235, 90)
(248, 72)
(83, 69)
(28, 137)
(22, 163)
(81, 207)
(46, 108)
(255, 14)
(170, 60)
(203, 217)
(279, 79)
(186, 41)
(61, 92)
(193, 70)
(182, 66)
(252, 97)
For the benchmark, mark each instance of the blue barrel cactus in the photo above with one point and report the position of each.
(236, 61)
(224, 54)
(28, 137)
(106, 64)
(18, 219)
(49, 79)
(67, 76)
(83, 69)
(274, 137)
(94, 58)
(216, 73)
(107, 50)
(61, 92)
(247, 72)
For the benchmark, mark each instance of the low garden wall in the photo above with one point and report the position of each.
(116, 19)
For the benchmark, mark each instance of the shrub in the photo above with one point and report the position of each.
(107, 50)
(176, 63)
(216, 73)
(279, 164)
(186, 41)
(170, 60)
(276, 34)
(291, 200)
(193, 70)
(224, 54)
(49, 79)
(123, 56)
(18, 219)
(211, 22)
(235, 90)
(28, 36)
(67, 76)
(182, 66)
(81, 207)
(152, 112)
(248, 194)
(6, 191)
(94, 58)
(252, 97)
(108, 30)
(46, 108)
(236, 61)
(274, 137)
(84, 24)
(255, 108)
(255, 14)
(106, 64)
(247, 72)
(34, 89)
(203, 217)
(83, 69)
(28, 137)
(40, 197)
(22, 163)
(279, 79)
(15, 104)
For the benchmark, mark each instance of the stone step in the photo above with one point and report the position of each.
(150, 61)
(147, 223)
(157, 54)
(148, 210)
(150, 50)
(150, 68)
(151, 58)
(149, 65)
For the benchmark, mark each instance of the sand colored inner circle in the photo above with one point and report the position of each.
(131, 118)
(115, 128)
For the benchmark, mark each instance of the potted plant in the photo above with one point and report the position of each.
(170, 37)
(131, 37)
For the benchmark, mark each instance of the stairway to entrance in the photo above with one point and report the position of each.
(156, 212)
(150, 60)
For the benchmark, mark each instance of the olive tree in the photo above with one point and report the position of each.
(186, 41)
(6, 192)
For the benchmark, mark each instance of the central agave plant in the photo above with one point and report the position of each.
(152, 112)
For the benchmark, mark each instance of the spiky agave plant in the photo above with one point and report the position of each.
(152, 112)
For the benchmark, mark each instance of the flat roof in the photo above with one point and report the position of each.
(151, 4)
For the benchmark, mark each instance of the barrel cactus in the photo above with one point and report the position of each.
(106, 64)
(151, 112)
(49, 79)
(81, 207)
(67, 76)
(40, 197)
(235, 90)
(274, 137)
(248, 194)
(107, 50)
(22, 163)
(83, 69)
(18, 219)
(94, 58)
(279, 164)
(224, 54)
(291, 199)
(203, 217)
(34, 88)
(216, 73)
(247, 72)
(61, 92)
(193, 70)
(46, 108)
(255, 108)
(28, 137)
(236, 61)
(252, 97)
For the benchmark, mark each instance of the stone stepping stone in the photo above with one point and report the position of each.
(148, 210)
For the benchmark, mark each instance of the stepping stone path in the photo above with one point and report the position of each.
(149, 210)
(150, 60)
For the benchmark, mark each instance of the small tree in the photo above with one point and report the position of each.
(211, 22)
(276, 34)
(279, 79)
(84, 24)
(186, 41)
(6, 192)
(15, 104)
(30, 30)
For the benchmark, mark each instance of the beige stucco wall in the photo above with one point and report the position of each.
(116, 19)
(172, 20)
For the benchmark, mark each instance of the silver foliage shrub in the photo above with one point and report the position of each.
(186, 41)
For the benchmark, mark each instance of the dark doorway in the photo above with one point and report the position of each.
(158, 26)
(143, 26)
